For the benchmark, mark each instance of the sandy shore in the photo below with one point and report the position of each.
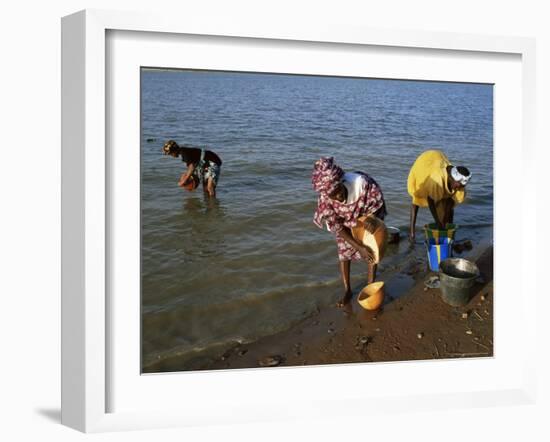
(415, 326)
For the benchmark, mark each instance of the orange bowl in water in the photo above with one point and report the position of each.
(372, 296)
(191, 183)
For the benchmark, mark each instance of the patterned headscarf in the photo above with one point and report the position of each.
(326, 175)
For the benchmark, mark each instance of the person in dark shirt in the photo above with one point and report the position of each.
(202, 165)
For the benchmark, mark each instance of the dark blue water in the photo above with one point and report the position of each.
(251, 262)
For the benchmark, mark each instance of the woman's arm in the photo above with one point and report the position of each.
(412, 227)
(185, 176)
(433, 210)
(365, 252)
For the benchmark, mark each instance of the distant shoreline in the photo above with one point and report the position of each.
(288, 74)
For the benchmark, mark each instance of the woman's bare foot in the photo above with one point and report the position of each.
(345, 299)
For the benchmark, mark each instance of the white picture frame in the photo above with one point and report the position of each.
(86, 315)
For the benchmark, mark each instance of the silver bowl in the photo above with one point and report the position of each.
(393, 235)
(457, 276)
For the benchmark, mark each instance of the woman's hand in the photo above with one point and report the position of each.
(183, 180)
(366, 253)
(186, 175)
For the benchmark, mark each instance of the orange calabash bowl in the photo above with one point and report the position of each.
(372, 296)
(191, 184)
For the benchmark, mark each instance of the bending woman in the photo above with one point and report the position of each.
(202, 164)
(343, 198)
(435, 183)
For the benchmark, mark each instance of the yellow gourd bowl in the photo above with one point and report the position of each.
(372, 296)
(377, 240)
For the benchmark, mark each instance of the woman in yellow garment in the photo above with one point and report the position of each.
(435, 183)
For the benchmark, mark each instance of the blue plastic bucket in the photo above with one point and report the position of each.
(438, 250)
(432, 232)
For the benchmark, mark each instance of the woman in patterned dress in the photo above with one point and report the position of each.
(343, 198)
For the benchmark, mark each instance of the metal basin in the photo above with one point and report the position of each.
(393, 235)
(457, 276)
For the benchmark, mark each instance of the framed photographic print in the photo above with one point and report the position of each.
(257, 220)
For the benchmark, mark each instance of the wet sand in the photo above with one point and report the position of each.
(415, 326)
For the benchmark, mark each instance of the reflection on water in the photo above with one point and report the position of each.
(251, 262)
(199, 203)
(203, 218)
